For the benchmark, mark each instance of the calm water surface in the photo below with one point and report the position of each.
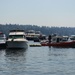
(38, 61)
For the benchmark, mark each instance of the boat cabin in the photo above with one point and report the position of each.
(57, 39)
(72, 37)
(14, 34)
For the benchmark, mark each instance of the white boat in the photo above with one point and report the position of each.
(2, 40)
(34, 35)
(17, 39)
(30, 35)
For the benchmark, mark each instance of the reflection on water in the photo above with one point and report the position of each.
(61, 52)
(15, 52)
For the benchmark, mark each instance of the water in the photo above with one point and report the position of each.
(38, 61)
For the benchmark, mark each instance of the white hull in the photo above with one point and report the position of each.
(17, 44)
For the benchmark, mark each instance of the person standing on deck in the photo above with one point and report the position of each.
(49, 38)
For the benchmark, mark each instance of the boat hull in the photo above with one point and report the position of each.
(17, 44)
(60, 44)
(3, 45)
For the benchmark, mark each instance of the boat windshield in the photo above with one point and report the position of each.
(16, 36)
(1, 38)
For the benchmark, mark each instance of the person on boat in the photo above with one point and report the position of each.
(49, 38)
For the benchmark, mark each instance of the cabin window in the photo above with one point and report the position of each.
(58, 39)
(64, 39)
(72, 38)
(54, 39)
(16, 36)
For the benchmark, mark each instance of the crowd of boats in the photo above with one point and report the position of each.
(19, 39)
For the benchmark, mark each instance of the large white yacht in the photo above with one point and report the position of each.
(17, 39)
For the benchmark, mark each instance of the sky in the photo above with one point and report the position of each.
(60, 13)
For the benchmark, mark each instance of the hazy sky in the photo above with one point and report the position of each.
(38, 12)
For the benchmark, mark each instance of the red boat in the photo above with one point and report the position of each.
(59, 42)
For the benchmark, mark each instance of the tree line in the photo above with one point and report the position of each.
(5, 28)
